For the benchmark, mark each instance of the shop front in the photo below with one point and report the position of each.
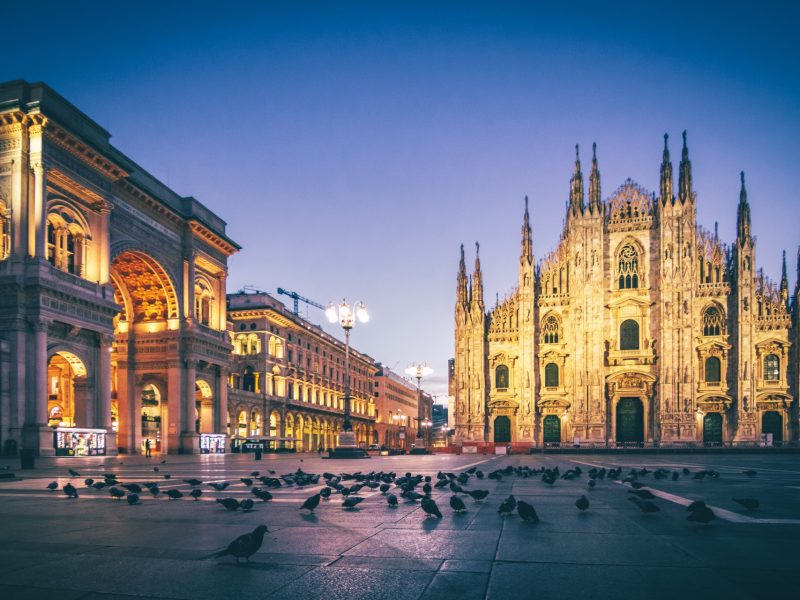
(76, 441)
(212, 443)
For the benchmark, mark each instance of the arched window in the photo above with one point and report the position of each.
(713, 370)
(240, 344)
(712, 321)
(51, 243)
(70, 256)
(501, 377)
(629, 335)
(772, 368)
(253, 344)
(271, 345)
(628, 267)
(249, 380)
(550, 330)
(203, 303)
(551, 375)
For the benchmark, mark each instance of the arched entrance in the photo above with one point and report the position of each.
(630, 421)
(712, 429)
(772, 422)
(502, 430)
(66, 391)
(151, 417)
(204, 407)
(552, 429)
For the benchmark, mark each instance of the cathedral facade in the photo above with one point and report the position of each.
(641, 327)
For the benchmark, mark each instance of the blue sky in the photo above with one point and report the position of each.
(352, 147)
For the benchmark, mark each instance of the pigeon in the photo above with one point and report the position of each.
(254, 473)
(133, 487)
(700, 475)
(427, 489)
(457, 504)
(248, 482)
(644, 505)
(675, 476)
(74, 473)
(88, 481)
(591, 483)
(311, 503)
(325, 493)
(582, 503)
(697, 504)
(478, 494)
(263, 495)
(53, 485)
(351, 502)
(70, 491)
(154, 490)
(229, 503)
(99, 485)
(479, 474)
(391, 499)
(527, 512)
(686, 471)
(156, 469)
(247, 504)
(163, 462)
(116, 493)
(196, 493)
(747, 503)
(245, 545)
(750, 472)
(193, 482)
(643, 494)
(174, 494)
(430, 507)
(133, 498)
(384, 488)
(702, 514)
(507, 506)
(220, 487)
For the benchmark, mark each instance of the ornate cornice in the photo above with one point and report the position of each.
(213, 238)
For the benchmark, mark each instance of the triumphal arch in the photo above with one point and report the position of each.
(112, 293)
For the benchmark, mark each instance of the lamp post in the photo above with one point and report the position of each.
(398, 418)
(418, 371)
(347, 316)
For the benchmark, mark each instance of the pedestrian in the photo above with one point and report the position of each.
(320, 450)
(147, 447)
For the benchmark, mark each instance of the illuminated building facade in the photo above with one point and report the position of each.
(112, 316)
(397, 407)
(640, 327)
(291, 370)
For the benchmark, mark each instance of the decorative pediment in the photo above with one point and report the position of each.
(773, 401)
(713, 348)
(714, 402)
(627, 300)
(501, 358)
(773, 345)
(553, 404)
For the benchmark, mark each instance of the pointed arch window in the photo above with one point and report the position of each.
(551, 375)
(628, 267)
(712, 322)
(629, 335)
(501, 377)
(772, 367)
(550, 330)
(713, 370)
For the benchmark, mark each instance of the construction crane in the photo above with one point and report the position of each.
(297, 298)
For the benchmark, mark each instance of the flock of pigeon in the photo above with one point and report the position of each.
(411, 488)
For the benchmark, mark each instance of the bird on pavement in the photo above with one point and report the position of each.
(245, 545)
(52, 486)
(478, 494)
(132, 487)
(747, 503)
(325, 493)
(702, 514)
(74, 473)
(391, 499)
(591, 483)
(582, 503)
(643, 494)
(193, 482)
(229, 503)
(644, 505)
(99, 485)
(220, 487)
(247, 504)
(133, 498)
(507, 506)
(457, 504)
(196, 493)
(88, 481)
(254, 473)
(247, 481)
(156, 469)
(675, 476)
(311, 503)
(261, 494)
(479, 474)
(527, 512)
(427, 489)
(154, 490)
(430, 508)
(70, 491)
(695, 505)
(174, 494)
(116, 493)
(351, 501)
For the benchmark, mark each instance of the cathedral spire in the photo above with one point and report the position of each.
(476, 297)
(576, 187)
(685, 179)
(462, 294)
(743, 214)
(666, 174)
(595, 199)
(784, 280)
(526, 257)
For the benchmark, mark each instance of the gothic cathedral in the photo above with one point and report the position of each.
(641, 327)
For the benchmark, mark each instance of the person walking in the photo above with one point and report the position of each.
(147, 447)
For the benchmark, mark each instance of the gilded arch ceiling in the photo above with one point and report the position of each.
(148, 288)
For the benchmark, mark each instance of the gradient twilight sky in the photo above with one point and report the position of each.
(351, 147)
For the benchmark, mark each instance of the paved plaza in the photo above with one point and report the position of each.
(94, 547)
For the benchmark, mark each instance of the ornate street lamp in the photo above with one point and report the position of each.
(347, 316)
(418, 371)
